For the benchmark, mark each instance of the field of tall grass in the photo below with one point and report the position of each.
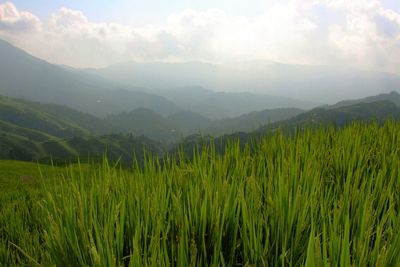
(319, 197)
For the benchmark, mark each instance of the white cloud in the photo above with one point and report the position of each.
(369, 36)
(12, 20)
(366, 36)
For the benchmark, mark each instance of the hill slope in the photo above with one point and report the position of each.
(52, 119)
(393, 96)
(378, 111)
(250, 121)
(24, 76)
(323, 84)
(189, 121)
(146, 122)
(30, 145)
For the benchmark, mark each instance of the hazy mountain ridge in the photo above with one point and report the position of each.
(190, 121)
(378, 111)
(18, 142)
(24, 76)
(35, 116)
(127, 119)
(220, 105)
(251, 121)
(318, 84)
(39, 132)
(146, 122)
(393, 96)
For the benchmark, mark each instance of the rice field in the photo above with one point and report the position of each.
(319, 197)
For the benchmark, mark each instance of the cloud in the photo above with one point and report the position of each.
(357, 33)
(11, 20)
(369, 35)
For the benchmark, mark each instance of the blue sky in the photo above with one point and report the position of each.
(91, 33)
(151, 11)
(139, 11)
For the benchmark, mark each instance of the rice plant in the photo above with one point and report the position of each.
(319, 197)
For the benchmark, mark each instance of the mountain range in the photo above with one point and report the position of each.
(32, 131)
(312, 84)
(64, 122)
(49, 111)
(24, 76)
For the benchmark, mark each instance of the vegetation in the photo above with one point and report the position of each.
(320, 197)
(146, 122)
(21, 116)
(378, 111)
(54, 120)
(392, 97)
(28, 77)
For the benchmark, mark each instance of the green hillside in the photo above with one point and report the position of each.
(145, 122)
(43, 132)
(378, 111)
(46, 132)
(393, 96)
(250, 121)
(24, 76)
(51, 119)
(322, 197)
(190, 121)
(374, 111)
(90, 148)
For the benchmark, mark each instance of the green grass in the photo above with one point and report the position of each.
(321, 197)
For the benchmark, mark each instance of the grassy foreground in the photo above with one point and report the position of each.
(322, 197)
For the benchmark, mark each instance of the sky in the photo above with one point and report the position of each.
(363, 34)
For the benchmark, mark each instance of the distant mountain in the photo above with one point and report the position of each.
(24, 76)
(63, 122)
(185, 97)
(314, 84)
(28, 132)
(50, 119)
(392, 97)
(115, 147)
(190, 122)
(146, 122)
(374, 111)
(250, 121)
(224, 105)
(34, 131)
(377, 111)
(220, 105)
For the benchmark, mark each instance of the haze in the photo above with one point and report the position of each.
(363, 34)
(320, 51)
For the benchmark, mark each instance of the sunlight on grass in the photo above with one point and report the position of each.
(320, 197)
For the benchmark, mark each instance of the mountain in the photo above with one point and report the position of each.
(315, 84)
(39, 132)
(250, 121)
(63, 122)
(224, 104)
(146, 122)
(115, 147)
(220, 105)
(185, 97)
(393, 96)
(50, 119)
(378, 111)
(24, 76)
(189, 121)
(28, 135)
